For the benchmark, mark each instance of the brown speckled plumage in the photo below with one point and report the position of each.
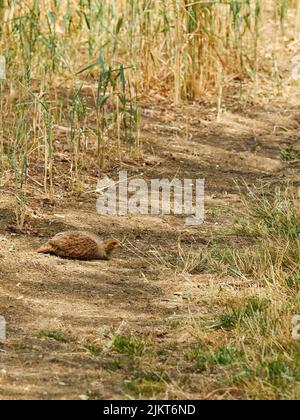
(79, 246)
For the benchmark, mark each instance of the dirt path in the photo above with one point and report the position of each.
(64, 316)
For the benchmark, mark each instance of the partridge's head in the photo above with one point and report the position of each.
(110, 245)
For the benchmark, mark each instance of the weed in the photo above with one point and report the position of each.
(55, 335)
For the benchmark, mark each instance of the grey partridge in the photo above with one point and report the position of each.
(79, 245)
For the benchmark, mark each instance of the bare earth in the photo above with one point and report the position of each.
(90, 303)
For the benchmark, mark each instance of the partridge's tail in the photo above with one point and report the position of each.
(45, 249)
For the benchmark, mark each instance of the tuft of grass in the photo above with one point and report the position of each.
(55, 335)
(293, 282)
(221, 356)
(290, 154)
(113, 365)
(225, 355)
(131, 346)
(252, 307)
(282, 371)
(271, 214)
(146, 384)
(93, 349)
(19, 345)
(184, 261)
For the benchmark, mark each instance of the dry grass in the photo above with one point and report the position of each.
(245, 343)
